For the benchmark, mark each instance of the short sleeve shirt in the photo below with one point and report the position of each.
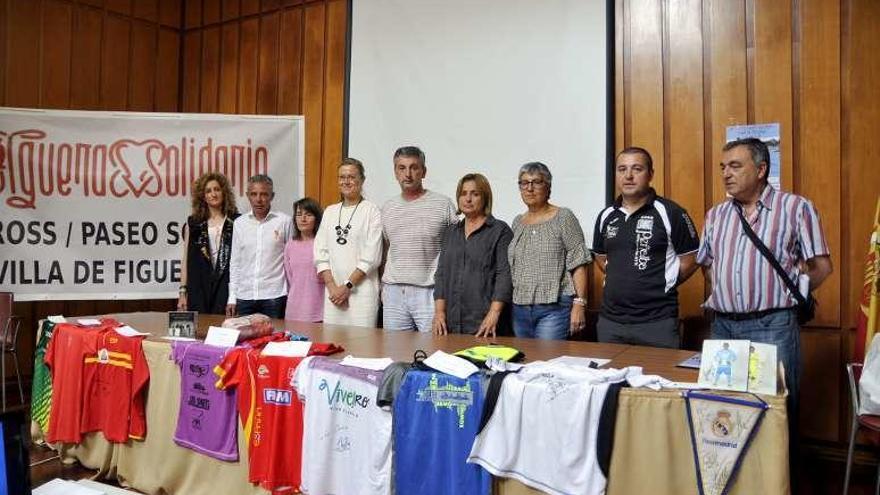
(543, 255)
(642, 252)
(743, 281)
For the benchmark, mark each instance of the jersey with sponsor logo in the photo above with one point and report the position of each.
(206, 416)
(541, 427)
(642, 251)
(65, 357)
(347, 436)
(271, 415)
(436, 417)
(115, 380)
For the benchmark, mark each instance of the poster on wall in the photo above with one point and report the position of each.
(93, 203)
(769, 134)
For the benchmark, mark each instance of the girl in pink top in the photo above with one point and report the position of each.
(305, 297)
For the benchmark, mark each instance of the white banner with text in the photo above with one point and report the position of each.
(94, 202)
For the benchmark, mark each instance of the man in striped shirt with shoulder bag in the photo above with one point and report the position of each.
(763, 252)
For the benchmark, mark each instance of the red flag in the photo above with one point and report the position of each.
(869, 305)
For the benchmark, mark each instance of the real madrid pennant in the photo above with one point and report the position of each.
(722, 427)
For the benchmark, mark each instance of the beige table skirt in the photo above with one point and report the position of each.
(652, 451)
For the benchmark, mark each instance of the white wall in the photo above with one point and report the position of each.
(484, 86)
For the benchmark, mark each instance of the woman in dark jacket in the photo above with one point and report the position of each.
(207, 245)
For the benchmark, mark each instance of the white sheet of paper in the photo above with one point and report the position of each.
(287, 348)
(580, 361)
(127, 331)
(64, 487)
(453, 365)
(88, 322)
(222, 337)
(375, 364)
(57, 319)
(182, 339)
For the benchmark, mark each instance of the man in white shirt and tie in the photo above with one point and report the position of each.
(256, 268)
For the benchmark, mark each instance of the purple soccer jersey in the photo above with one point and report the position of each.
(206, 421)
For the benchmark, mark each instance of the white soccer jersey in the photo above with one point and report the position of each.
(346, 436)
(543, 428)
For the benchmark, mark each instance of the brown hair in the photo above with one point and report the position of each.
(200, 207)
(483, 187)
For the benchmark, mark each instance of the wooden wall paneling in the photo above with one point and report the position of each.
(726, 69)
(644, 86)
(269, 5)
(210, 80)
(85, 62)
(247, 70)
(288, 3)
(119, 6)
(249, 7)
(596, 279)
(56, 44)
(95, 3)
(820, 384)
(817, 169)
(683, 123)
(210, 11)
(620, 106)
(142, 89)
(318, 181)
(229, 68)
(169, 13)
(4, 67)
(192, 13)
(147, 10)
(167, 71)
(860, 146)
(23, 81)
(290, 62)
(192, 57)
(334, 93)
(267, 79)
(772, 76)
(231, 9)
(115, 63)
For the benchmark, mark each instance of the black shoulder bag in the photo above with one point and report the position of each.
(806, 307)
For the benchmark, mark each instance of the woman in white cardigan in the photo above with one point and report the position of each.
(348, 251)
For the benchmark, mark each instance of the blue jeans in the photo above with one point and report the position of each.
(779, 328)
(543, 321)
(273, 308)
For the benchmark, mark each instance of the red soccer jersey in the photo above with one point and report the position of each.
(65, 356)
(271, 415)
(115, 377)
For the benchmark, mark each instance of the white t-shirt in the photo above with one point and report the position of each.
(543, 428)
(346, 436)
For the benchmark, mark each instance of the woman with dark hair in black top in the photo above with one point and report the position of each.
(208, 242)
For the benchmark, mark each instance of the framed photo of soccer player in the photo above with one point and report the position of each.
(725, 365)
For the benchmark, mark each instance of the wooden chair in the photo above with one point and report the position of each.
(9, 326)
(869, 421)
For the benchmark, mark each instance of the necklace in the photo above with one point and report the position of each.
(342, 232)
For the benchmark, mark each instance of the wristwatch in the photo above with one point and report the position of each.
(348, 284)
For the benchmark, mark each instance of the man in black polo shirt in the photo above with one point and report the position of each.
(646, 245)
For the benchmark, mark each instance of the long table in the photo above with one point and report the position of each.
(651, 454)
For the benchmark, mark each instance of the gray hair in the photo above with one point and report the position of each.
(410, 152)
(537, 168)
(261, 178)
(757, 148)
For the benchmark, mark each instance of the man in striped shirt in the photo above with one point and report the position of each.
(748, 297)
(413, 224)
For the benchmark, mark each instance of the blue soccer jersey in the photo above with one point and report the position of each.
(436, 418)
